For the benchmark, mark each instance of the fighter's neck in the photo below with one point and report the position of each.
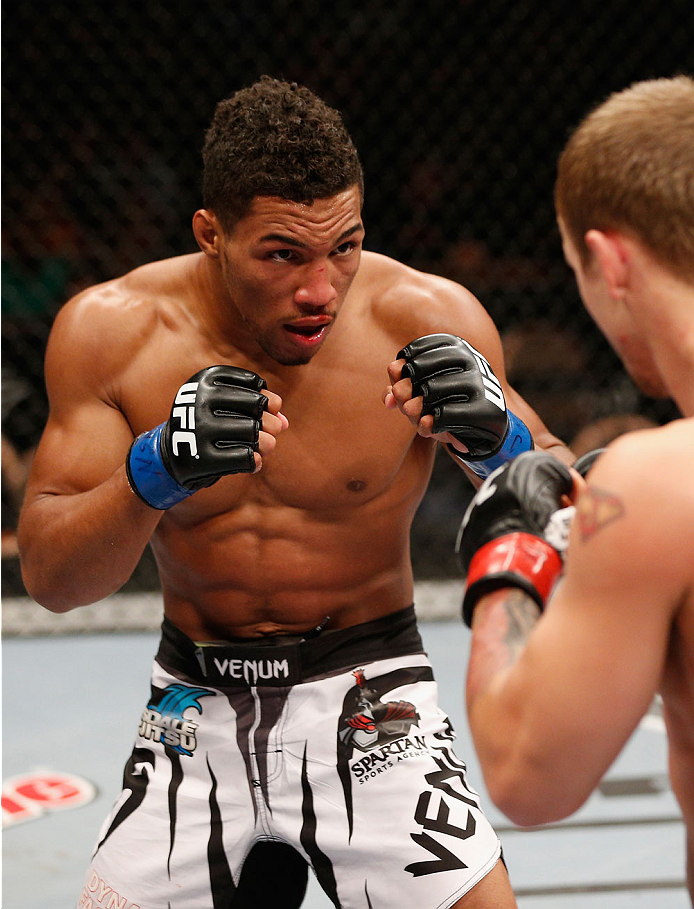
(217, 315)
(662, 306)
(676, 367)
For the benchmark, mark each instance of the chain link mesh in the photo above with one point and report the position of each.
(458, 109)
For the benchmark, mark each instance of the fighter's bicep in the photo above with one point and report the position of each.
(80, 448)
(471, 321)
(87, 436)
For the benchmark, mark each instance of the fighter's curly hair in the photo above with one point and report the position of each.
(275, 138)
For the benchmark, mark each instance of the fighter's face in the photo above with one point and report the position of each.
(614, 319)
(288, 267)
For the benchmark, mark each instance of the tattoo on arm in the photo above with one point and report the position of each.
(595, 509)
(500, 630)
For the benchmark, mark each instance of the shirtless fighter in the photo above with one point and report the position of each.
(291, 702)
(620, 626)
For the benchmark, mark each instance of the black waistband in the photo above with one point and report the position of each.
(281, 661)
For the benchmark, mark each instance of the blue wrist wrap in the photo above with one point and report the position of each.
(517, 440)
(147, 475)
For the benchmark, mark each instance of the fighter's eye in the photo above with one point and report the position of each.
(344, 249)
(282, 255)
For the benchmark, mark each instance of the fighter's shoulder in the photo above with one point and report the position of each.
(99, 333)
(634, 534)
(650, 472)
(428, 302)
(119, 310)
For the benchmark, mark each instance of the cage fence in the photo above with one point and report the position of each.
(458, 109)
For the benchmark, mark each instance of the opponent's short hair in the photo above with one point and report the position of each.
(630, 166)
(279, 139)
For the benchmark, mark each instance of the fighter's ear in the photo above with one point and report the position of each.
(611, 258)
(207, 232)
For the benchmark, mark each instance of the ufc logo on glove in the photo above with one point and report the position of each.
(459, 389)
(186, 416)
(212, 432)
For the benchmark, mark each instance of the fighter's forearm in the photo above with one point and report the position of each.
(548, 442)
(76, 549)
(501, 624)
(495, 699)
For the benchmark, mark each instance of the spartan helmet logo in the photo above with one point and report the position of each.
(374, 721)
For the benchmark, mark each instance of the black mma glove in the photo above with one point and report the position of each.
(586, 461)
(501, 542)
(212, 431)
(460, 390)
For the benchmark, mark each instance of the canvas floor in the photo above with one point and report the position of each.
(70, 704)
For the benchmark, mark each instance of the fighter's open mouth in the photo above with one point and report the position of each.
(306, 332)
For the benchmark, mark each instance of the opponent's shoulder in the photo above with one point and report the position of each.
(631, 552)
(662, 455)
(648, 475)
(418, 303)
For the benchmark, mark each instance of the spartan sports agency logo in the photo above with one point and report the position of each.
(376, 722)
(163, 718)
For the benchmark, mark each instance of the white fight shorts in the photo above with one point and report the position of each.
(334, 744)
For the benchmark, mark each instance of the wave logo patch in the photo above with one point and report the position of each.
(163, 719)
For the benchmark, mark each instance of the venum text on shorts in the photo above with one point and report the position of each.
(251, 671)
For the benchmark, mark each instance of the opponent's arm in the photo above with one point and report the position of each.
(83, 525)
(553, 696)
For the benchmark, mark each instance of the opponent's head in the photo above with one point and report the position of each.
(625, 204)
(283, 191)
(276, 139)
(629, 166)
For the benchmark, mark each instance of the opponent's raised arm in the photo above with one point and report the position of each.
(95, 496)
(560, 673)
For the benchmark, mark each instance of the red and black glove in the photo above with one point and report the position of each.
(586, 461)
(501, 540)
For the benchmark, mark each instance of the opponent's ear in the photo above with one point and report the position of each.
(611, 259)
(207, 232)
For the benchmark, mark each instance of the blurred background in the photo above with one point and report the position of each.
(459, 109)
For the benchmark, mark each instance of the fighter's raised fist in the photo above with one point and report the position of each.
(222, 421)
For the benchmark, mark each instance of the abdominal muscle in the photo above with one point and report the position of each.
(259, 570)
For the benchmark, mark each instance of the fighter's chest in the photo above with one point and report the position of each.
(342, 445)
(339, 447)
